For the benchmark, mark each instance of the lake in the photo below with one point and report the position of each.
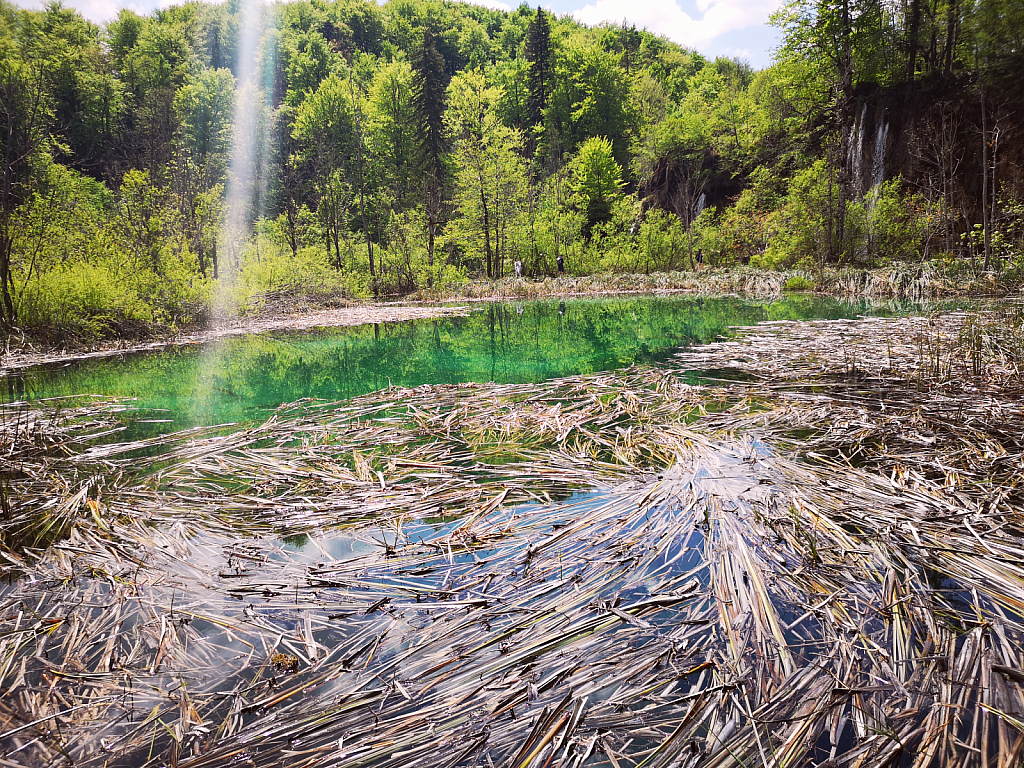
(242, 379)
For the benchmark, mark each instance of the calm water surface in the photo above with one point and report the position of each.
(243, 378)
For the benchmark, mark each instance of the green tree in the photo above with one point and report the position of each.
(309, 64)
(595, 179)
(204, 107)
(26, 113)
(153, 60)
(391, 126)
(590, 99)
(325, 129)
(85, 95)
(491, 178)
(511, 79)
(846, 40)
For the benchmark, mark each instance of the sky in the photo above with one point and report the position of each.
(735, 28)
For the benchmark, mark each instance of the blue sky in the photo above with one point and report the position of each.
(713, 27)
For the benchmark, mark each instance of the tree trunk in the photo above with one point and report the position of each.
(8, 317)
(362, 182)
(487, 231)
(913, 30)
(953, 12)
(984, 178)
(292, 226)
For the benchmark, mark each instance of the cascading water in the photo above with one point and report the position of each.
(857, 149)
(878, 169)
(878, 164)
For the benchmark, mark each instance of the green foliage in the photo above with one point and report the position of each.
(430, 82)
(203, 106)
(309, 64)
(270, 271)
(798, 283)
(589, 100)
(557, 228)
(896, 224)
(413, 144)
(595, 180)
(539, 75)
(885, 226)
(324, 126)
(744, 228)
(86, 266)
(491, 184)
(406, 265)
(801, 231)
(391, 132)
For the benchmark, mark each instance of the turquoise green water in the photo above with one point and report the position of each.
(243, 378)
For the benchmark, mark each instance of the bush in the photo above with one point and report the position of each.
(270, 272)
(896, 224)
(798, 283)
(743, 228)
(83, 301)
(801, 235)
(83, 269)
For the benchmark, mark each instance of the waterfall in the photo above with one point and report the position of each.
(879, 164)
(246, 183)
(700, 203)
(857, 148)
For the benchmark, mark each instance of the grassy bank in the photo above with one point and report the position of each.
(253, 303)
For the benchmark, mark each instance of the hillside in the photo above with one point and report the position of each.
(196, 161)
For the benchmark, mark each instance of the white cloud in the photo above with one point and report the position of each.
(102, 11)
(496, 5)
(743, 54)
(666, 17)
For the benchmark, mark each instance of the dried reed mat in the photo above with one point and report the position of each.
(947, 351)
(614, 570)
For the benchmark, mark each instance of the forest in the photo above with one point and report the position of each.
(160, 170)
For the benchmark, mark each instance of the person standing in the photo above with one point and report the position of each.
(519, 268)
(561, 265)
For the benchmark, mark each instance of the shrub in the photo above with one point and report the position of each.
(270, 272)
(83, 301)
(798, 283)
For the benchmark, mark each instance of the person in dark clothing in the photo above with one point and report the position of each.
(561, 264)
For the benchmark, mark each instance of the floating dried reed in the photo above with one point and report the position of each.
(822, 563)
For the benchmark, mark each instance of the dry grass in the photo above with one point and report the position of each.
(916, 282)
(615, 570)
(751, 282)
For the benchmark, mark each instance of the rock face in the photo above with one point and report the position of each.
(927, 131)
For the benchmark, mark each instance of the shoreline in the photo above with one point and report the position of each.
(302, 314)
(342, 317)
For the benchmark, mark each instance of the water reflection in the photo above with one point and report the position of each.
(241, 379)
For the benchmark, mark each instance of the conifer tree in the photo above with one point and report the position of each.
(538, 53)
(430, 83)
